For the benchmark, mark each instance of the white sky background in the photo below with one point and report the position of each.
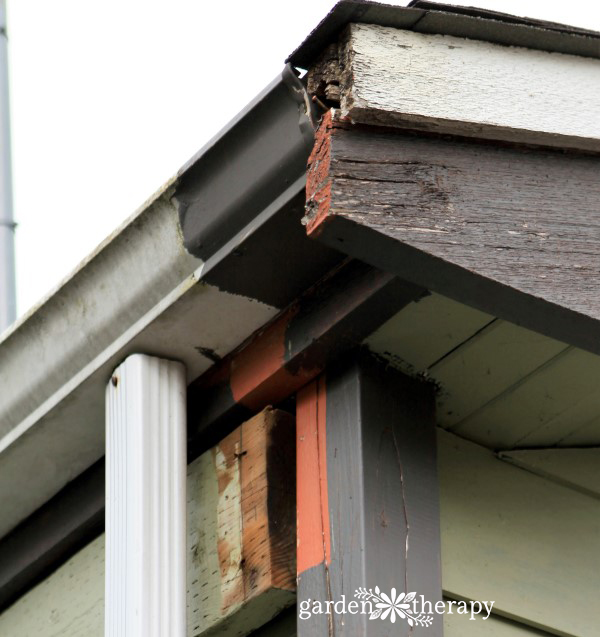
(109, 98)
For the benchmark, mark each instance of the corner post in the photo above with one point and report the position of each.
(146, 499)
(367, 499)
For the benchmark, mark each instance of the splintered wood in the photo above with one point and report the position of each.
(444, 84)
(441, 212)
(324, 77)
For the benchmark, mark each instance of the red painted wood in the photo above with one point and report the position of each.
(318, 183)
(312, 526)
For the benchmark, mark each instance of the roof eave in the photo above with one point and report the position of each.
(142, 291)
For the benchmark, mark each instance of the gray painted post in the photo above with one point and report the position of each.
(378, 497)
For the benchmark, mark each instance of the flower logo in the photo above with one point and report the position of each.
(391, 606)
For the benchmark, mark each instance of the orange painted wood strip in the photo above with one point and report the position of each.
(312, 532)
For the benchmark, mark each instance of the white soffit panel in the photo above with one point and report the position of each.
(468, 87)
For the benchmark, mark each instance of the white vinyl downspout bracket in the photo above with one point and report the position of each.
(146, 499)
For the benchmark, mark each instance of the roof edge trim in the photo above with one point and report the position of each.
(440, 19)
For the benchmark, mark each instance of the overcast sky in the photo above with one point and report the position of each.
(109, 98)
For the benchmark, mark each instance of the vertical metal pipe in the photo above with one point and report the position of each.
(7, 225)
(146, 499)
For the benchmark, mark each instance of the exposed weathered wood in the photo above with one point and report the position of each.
(323, 79)
(241, 545)
(241, 525)
(370, 518)
(527, 543)
(509, 231)
(575, 468)
(453, 85)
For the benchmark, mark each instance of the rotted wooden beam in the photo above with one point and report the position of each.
(502, 228)
(330, 318)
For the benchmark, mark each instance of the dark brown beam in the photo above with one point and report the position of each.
(512, 231)
(367, 498)
(332, 317)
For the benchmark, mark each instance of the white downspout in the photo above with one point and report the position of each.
(146, 499)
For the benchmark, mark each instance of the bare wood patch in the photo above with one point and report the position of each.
(254, 540)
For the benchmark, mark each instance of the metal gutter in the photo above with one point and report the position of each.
(235, 181)
(441, 19)
(141, 291)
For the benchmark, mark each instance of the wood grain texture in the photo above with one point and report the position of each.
(241, 545)
(527, 543)
(243, 527)
(509, 231)
(453, 85)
